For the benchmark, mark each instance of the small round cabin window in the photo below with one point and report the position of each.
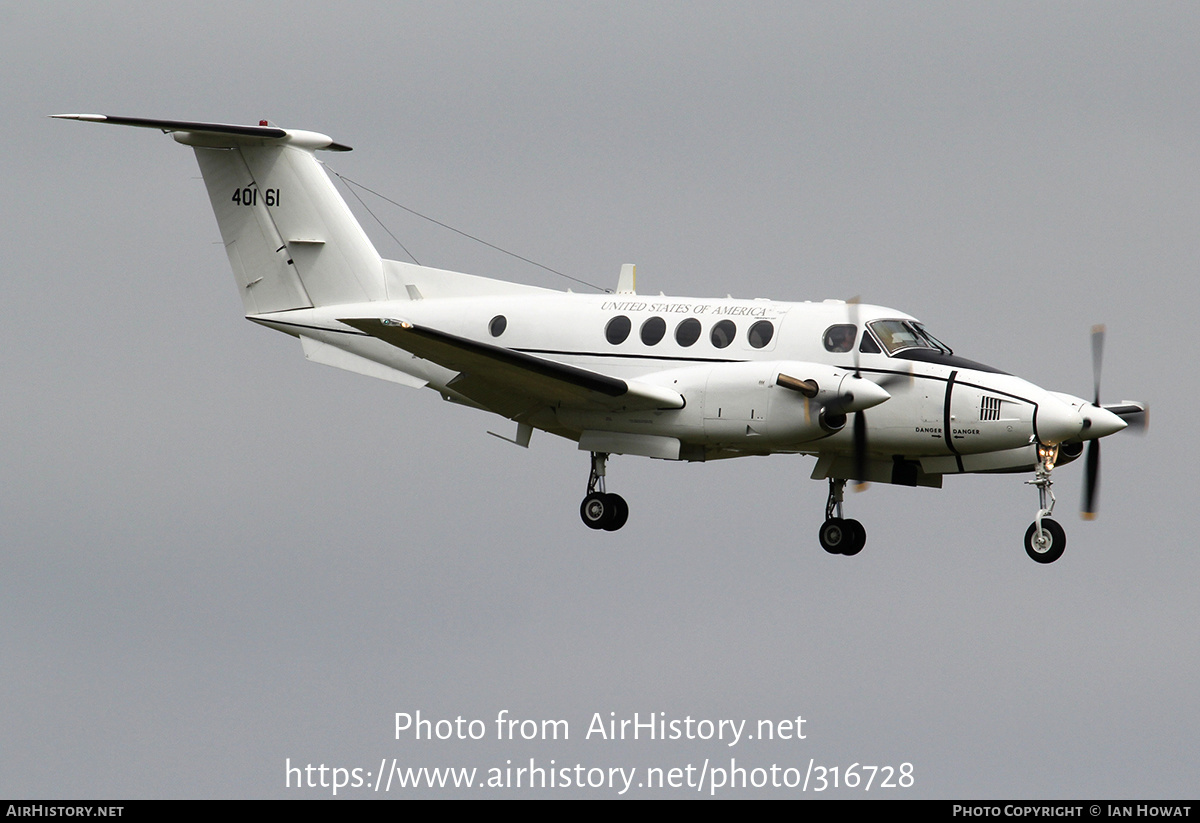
(498, 325)
(617, 329)
(760, 333)
(723, 333)
(653, 330)
(687, 332)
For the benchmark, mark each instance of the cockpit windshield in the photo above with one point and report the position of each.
(898, 335)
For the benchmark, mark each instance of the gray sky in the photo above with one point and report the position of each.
(217, 556)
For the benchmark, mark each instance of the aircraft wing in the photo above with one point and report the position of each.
(506, 381)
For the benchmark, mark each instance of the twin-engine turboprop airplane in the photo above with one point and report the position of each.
(864, 389)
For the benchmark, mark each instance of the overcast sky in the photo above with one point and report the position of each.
(218, 557)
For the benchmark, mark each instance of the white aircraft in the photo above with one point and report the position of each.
(865, 389)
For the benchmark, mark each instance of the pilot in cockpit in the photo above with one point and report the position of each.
(840, 338)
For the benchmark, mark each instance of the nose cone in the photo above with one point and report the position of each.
(1098, 422)
(859, 393)
(1056, 421)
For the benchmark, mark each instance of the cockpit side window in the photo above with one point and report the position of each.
(840, 338)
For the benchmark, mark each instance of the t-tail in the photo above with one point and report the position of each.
(291, 239)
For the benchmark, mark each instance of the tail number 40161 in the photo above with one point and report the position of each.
(249, 196)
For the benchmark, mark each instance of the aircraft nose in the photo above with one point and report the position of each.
(1098, 422)
(1056, 421)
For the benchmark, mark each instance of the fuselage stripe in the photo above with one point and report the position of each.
(947, 429)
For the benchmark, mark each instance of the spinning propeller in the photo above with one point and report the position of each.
(860, 417)
(857, 394)
(1133, 414)
(1091, 482)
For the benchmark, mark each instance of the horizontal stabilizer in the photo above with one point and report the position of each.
(328, 355)
(517, 373)
(238, 134)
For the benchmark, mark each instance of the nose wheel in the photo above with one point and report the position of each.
(1046, 546)
(599, 509)
(839, 535)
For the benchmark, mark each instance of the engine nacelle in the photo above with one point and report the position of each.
(738, 405)
(781, 401)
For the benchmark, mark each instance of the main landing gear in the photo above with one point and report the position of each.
(838, 535)
(1045, 539)
(600, 510)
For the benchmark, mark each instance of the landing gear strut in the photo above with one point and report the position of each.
(838, 535)
(1045, 539)
(600, 510)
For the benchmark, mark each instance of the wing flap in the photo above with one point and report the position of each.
(516, 373)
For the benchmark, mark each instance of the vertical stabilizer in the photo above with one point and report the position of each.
(291, 240)
(262, 264)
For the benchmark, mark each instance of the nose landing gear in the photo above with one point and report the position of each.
(600, 510)
(839, 535)
(1045, 540)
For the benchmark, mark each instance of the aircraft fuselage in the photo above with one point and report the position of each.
(724, 356)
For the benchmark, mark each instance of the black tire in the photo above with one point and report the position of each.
(834, 536)
(619, 513)
(856, 537)
(595, 510)
(1055, 541)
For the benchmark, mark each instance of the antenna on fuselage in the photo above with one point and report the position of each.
(627, 282)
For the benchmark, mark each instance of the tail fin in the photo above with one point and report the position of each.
(291, 239)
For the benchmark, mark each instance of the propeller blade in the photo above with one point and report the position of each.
(860, 417)
(888, 380)
(853, 303)
(1091, 482)
(1097, 360)
(860, 451)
